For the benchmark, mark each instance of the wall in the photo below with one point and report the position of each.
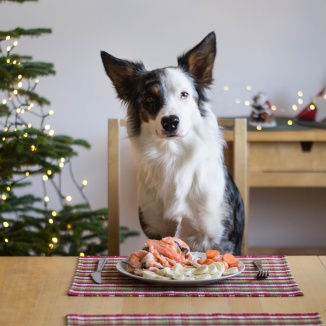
(275, 46)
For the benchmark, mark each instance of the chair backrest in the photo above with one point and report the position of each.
(235, 133)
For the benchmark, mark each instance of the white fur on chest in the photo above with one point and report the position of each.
(181, 183)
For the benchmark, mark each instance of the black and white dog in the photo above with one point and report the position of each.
(184, 189)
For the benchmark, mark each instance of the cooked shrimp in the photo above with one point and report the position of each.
(165, 249)
(142, 259)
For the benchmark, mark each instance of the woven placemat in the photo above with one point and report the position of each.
(199, 319)
(280, 283)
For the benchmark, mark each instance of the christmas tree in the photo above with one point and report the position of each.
(28, 150)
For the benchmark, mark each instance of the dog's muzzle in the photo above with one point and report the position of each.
(170, 125)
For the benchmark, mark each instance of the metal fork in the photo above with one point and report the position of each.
(262, 274)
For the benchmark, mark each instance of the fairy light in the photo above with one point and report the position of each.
(54, 213)
(8, 60)
(274, 108)
(51, 245)
(51, 112)
(46, 199)
(290, 122)
(29, 125)
(55, 240)
(20, 77)
(226, 88)
(18, 110)
(51, 132)
(47, 127)
(15, 92)
(294, 107)
(259, 127)
(8, 188)
(45, 177)
(6, 240)
(8, 38)
(4, 197)
(14, 62)
(300, 93)
(5, 129)
(15, 43)
(8, 48)
(300, 100)
(25, 134)
(5, 224)
(62, 159)
(68, 226)
(247, 103)
(249, 87)
(36, 81)
(33, 148)
(68, 198)
(27, 173)
(81, 254)
(238, 101)
(48, 172)
(3, 138)
(51, 221)
(4, 102)
(84, 183)
(61, 164)
(312, 107)
(20, 84)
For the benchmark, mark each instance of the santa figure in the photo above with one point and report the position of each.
(261, 113)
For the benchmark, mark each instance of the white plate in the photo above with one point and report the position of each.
(121, 267)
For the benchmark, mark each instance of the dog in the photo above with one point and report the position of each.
(184, 187)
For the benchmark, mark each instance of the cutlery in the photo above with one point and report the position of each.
(97, 276)
(262, 274)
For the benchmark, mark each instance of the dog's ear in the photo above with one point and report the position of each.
(199, 61)
(123, 74)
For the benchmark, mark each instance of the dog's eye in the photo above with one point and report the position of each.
(184, 95)
(149, 99)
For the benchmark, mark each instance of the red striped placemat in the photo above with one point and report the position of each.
(280, 283)
(200, 319)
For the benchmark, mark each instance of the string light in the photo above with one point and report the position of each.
(5, 224)
(51, 112)
(274, 108)
(226, 88)
(61, 164)
(84, 183)
(46, 199)
(48, 172)
(4, 197)
(51, 221)
(4, 101)
(312, 107)
(55, 240)
(6, 240)
(68, 226)
(8, 188)
(33, 148)
(47, 127)
(15, 43)
(247, 103)
(54, 213)
(294, 107)
(249, 87)
(45, 177)
(51, 132)
(51, 245)
(27, 173)
(259, 128)
(81, 254)
(300, 100)
(8, 37)
(300, 93)
(290, 122)
(68, 198)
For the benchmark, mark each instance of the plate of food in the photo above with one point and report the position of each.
(169, 264)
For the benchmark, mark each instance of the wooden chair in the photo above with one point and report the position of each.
(235, 133)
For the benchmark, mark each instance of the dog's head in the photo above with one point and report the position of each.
(164, 100)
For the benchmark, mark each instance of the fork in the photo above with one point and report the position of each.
(262, 274)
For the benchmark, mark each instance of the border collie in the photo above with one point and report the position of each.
(184, 188)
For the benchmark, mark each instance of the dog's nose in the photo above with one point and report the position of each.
(170, 123)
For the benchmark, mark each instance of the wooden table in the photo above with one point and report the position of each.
(293, 156)
(33, 291)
